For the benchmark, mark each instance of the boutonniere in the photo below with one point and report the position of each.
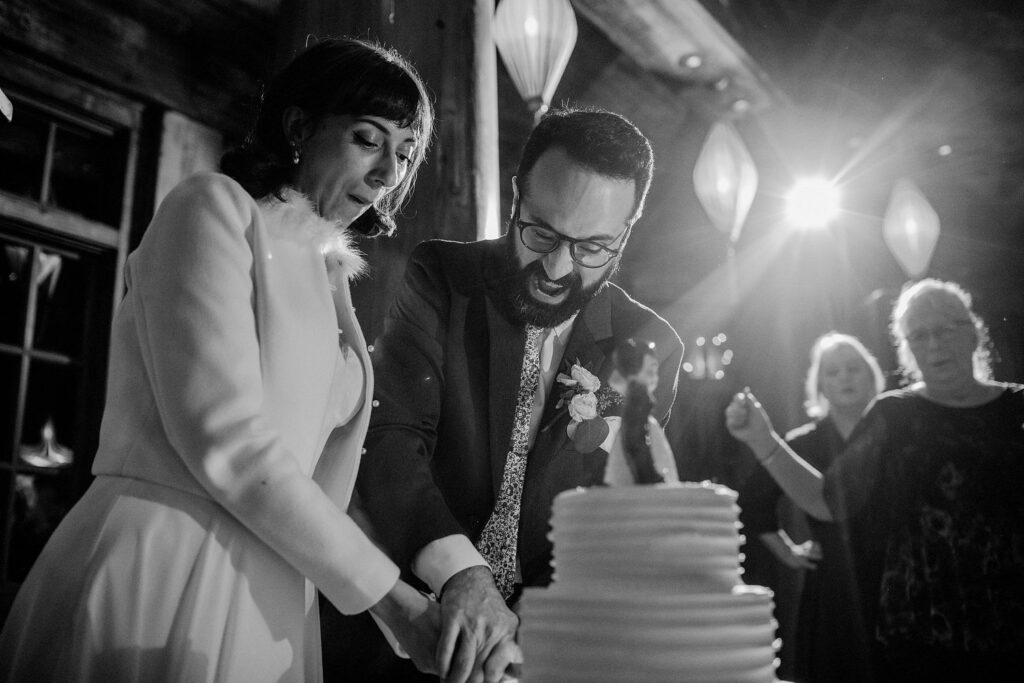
(587, 402)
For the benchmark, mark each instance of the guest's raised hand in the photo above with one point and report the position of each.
(474, 622)
(747, 421)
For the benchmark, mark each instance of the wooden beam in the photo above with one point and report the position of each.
(57, 221)
(682, 42)
(181, 66)
(19, 74)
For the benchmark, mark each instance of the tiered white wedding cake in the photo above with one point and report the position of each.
(647, 588)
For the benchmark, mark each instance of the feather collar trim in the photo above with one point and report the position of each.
(296, 219)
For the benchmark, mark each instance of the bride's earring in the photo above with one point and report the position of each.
(296, 154)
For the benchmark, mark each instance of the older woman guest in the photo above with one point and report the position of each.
(238, 398)
(842, 380)
(930, 486)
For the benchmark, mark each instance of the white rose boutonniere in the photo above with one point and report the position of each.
(583, 407)
(584, 379)
(587, 400)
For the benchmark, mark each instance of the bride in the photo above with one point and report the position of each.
(238, 398)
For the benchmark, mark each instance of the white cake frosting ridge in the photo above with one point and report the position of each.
(681, 536)
(646, 588)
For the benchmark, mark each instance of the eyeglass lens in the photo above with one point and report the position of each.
(941, 333)
(588, 254)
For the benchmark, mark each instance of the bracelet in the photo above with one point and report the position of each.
(766, 459)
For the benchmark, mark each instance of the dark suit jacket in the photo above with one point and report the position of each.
(447, 370)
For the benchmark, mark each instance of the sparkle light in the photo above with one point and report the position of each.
(705, 359)
(693, 61)
(812, 203)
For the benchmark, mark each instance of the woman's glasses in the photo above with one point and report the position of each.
(941, 333)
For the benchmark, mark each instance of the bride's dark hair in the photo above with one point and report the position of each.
(335, 76)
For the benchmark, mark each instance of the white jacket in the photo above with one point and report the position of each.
(219, 390)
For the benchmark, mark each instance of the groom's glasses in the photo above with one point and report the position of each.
(542, 240)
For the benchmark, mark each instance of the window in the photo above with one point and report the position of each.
(67, 165)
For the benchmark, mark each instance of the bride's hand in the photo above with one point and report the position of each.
(415, 621)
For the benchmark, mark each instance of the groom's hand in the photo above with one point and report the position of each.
(474, 622)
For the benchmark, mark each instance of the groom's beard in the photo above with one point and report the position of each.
(528, 310)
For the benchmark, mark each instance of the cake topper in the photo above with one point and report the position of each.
(640, 453)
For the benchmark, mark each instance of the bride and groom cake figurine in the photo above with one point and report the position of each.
(646, 569)
(640, 453)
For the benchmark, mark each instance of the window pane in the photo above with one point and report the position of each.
(22, 150)
(88, 173)
(6, 491)
(44, 493)
(15, 270)
(62, 289)
(40, 502)
(10, 366)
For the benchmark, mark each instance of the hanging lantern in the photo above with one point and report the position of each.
(910, 228)
(725, 179)
(535, 39)
(6, 108)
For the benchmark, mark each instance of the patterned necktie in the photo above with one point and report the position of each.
(500, 536)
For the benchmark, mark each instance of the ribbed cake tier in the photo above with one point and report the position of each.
(646, 588)
(681, 537)
(578, 635)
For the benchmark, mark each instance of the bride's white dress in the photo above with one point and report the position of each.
(148, 578)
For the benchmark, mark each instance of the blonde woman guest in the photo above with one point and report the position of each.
(842, 380)
(238, 398)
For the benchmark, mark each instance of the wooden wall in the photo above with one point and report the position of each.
(203, 61)
(206, 59)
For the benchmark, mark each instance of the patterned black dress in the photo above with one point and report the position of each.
(934, 501)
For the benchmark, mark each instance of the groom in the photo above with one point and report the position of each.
(468, 445)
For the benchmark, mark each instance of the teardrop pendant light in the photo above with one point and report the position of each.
(725, 179)
(535, 39)
(910, 228)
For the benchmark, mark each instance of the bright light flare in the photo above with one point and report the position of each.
(812, 203)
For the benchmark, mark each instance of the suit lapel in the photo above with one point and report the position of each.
(592, 326)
